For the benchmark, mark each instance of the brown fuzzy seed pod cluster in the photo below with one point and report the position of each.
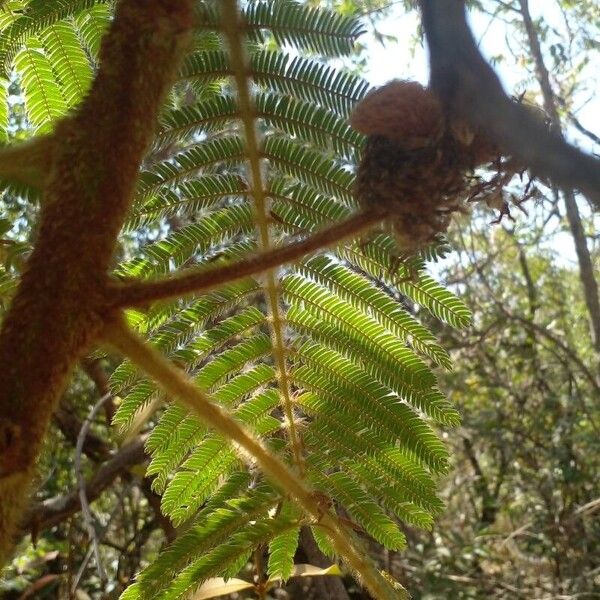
(402, 111)
(415, 163)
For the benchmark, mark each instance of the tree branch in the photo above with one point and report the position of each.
(83, 499)
(470, 89)
(70, 426)
(586, 267)
(121, 295)
(489, 507)
(577, 123)
(560, 344)
(95, 371)
(29, 162)
(55, 510)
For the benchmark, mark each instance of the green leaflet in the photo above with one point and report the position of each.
(69, 61)
(378, 259)
(298, 77)
(303, 120)
(3, 111)
(282, 547)
(357, 290)
(384, 414)
(222, 530)
(91, 26)
(212, 458)
(363, 508)
(311, 168)
(44, 99)
(292, 24)
(189, 198)
(39, 15)
(317, 30)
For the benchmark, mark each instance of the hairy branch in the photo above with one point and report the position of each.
(180, 386)
(470, 89)
(121, 295)
(28, 163)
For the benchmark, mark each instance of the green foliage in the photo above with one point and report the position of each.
(358, 363)
(223, 535)
(26, 18)
(282, 547)
(333, 342)
(43, 98)
(357, 325)
(68, 59)
(3, 111)
(52, 46)
(532, 423)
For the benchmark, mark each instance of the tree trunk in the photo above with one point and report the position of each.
(330, 588)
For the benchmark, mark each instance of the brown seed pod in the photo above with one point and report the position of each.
(416, 190)
(418, 164)
(402, 111)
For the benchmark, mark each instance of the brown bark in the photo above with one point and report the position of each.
(59, 308)
(586, 268)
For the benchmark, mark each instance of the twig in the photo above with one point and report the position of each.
(70, 424)
(85, 507)
(471, 90)
(555, 340)
(81, 570)
(121, 295)
(576, 122)
(103, 531)
(586, 267)
(372, 11)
